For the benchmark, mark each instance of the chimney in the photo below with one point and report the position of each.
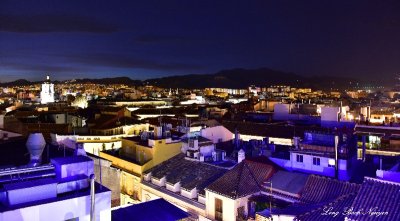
(35, 145)
(296, 142)
(79, 150)
(363, 147)
(241, 155)
(336, 157)
(236, 138)
(272, 147)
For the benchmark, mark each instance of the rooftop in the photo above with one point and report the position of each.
(70, 160)
(246, 178)
(318, 193)
(191, 174)
(146, 211)
(322, 189)
(60, 197)
(340, 204)
(289, 182)
(373, 200)
(202, 141)
(383, 130)
(380, 196)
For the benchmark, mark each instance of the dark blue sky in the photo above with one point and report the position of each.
(147, 39)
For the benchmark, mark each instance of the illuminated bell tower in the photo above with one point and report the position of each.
(47, 93)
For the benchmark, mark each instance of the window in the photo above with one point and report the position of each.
(331, 163)
(316, 161)
(218, 209)
(299, 158)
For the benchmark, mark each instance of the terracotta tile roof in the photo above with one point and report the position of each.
(191, 174)
(378, 195)
(288, 184)
(318, 193)
(244, 179)
(106, 121)
(112, 109)
(323, 189)
(293, 210)
(339, 205)
(265, 160)
(102, 119)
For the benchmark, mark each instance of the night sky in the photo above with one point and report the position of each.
(147, 39)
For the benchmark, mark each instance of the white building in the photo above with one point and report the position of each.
(198, 147)
(217, 134)
(227, 198)
(47, 93)
(181, 181)
(57, 191)
(316, 154)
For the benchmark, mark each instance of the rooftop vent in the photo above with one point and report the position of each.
(35, 145)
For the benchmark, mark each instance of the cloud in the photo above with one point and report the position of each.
(53, 23)
(165, 39)
(123, 61)
(45, 68)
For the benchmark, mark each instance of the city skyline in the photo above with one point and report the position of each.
(199, 110)
(155, 39)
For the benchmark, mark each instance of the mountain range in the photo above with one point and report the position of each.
(242, 78)
(232, 78)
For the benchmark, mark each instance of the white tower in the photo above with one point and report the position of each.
(47, 93)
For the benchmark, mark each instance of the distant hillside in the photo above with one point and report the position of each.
(242, 78)
(233, 78)
(116, 80)
(19, 82)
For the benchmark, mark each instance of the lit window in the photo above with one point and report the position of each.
(316, 161)
(299, 158)
(331, 163)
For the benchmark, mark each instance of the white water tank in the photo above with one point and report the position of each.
(35, 145)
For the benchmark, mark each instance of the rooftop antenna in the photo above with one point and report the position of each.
(101, 181)
(160, 118)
